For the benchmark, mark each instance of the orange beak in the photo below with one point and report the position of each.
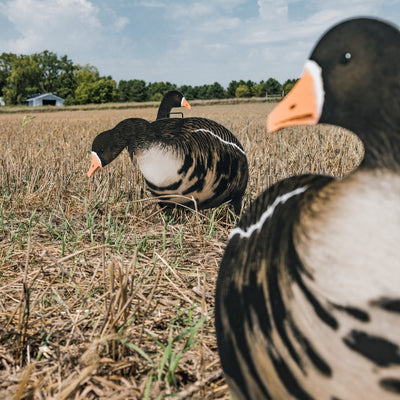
(94, 165)
(303, 104)
(185, 104)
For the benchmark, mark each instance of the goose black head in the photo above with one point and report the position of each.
(352, 80)
(175, 98)
(105, 148)
(171, 99)
(109, 144)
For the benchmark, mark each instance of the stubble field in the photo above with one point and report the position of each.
(102, 295)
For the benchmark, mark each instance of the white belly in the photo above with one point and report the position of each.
(353, 249)
(159, 166)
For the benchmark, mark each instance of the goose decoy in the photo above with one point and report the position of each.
(194, 162)
(308, 292)
(171, 99)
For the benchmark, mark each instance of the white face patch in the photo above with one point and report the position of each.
(247, 232)
(316, 72)
(159, 166)
(98, 158)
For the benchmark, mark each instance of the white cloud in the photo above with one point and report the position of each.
(195, 11)
(273, 10)
(201, 11)
(43, 24)
(152, 4)
(121, 23)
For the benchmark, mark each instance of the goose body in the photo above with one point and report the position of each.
(308, 292)
(171, 99)
(182, 159)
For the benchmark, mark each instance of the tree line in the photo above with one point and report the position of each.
(23, 76)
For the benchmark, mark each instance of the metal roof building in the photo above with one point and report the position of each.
(46, 99)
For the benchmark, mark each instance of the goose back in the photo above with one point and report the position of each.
(208, 162)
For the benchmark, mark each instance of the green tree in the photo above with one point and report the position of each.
(202, 92)
(23, 81)
(231, 91)
(195, 92)
(250, 84)
(92, 88)
(49, 68)
(6, 61)
(85, 77)
(215, 91)
(133, 90)
(123, 91)
(274, 88)
(157, 97)
(86, 73)
(104, 90)
(65, 83)
(138, 90)
(243, 91)
(156, 88)
(288, 85)
(260, 89)
(187, 91)
(57, 74)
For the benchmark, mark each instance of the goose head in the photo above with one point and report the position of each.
(352, 80)
(105, 148)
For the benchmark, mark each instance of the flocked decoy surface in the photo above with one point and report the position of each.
(171, 99)
(308, 292)
(182, 159)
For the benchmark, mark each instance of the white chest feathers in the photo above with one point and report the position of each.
(159, 165)
(350, 243)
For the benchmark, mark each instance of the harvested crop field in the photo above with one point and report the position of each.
(102, 294)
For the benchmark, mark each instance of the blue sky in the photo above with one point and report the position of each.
(183, 42)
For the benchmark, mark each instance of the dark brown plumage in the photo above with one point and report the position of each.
(184, 160)
(308, 293)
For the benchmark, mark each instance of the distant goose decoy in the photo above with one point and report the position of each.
(308, 292)
(181, 159)
(171, 99)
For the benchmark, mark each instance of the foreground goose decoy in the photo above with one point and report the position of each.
(308, 293)
(171, 99)
(182, 159)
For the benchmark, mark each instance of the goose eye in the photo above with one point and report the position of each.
(346, 58)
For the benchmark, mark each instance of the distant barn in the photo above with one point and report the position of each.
(47, 99)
